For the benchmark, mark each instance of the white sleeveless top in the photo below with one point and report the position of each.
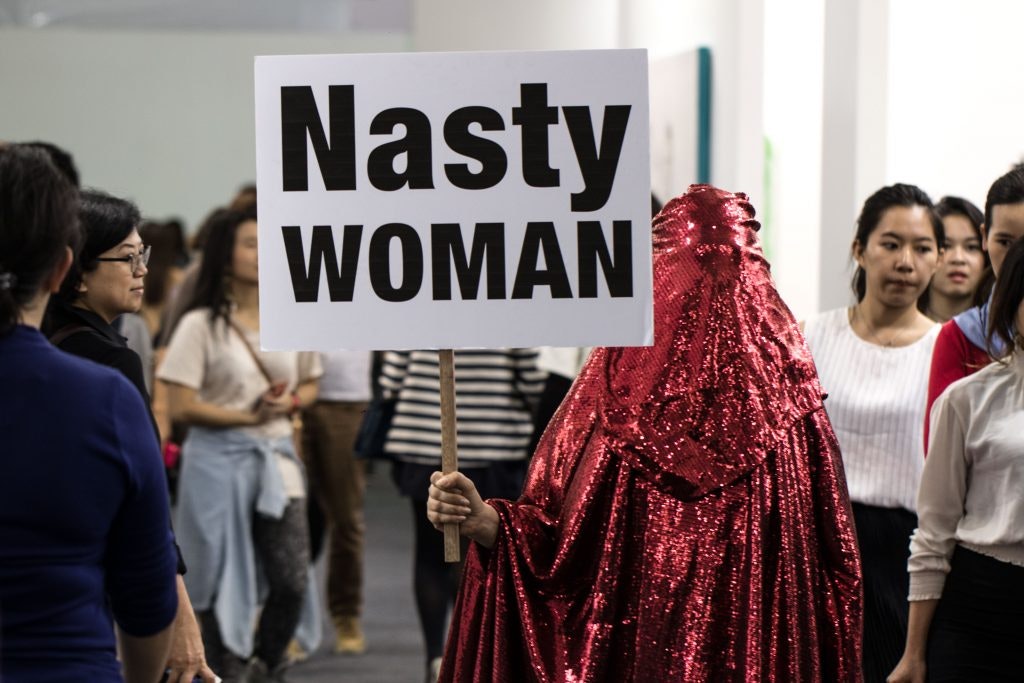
(876, 402)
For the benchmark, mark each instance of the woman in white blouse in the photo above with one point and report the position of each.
(967, 554)
(873, 359)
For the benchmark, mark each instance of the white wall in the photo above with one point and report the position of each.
(926, 92)
(166, 117)
(674, 122)
(855, 133)
(956, 94)
(521, 25)
(793, 91)
(852, 94)
(731, 28)
(163, 118)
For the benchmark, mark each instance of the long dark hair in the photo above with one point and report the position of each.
(211, 286)
(1006, 300)
(871, 214)
(38, 219)
(167, 244)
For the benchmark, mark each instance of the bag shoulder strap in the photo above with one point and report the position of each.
(252, 352)
(68, 330)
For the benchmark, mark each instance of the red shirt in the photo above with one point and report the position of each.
(954, 357)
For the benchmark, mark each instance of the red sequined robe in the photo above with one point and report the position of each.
(685, 517)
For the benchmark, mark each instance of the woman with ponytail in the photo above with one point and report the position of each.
(872, 358)
(85, 540)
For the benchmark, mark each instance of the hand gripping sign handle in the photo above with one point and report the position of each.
(449, 452)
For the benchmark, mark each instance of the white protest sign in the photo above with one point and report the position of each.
(454, 200)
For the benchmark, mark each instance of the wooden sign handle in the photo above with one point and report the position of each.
(449, 450)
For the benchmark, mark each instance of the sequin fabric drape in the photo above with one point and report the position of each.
(685, 517)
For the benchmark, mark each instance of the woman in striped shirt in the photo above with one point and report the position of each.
(495, 391)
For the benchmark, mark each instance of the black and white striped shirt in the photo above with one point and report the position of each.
(494, 393)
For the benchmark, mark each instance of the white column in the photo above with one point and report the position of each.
(855, 138)
(793, 73)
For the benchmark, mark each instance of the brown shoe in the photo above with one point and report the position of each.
(349, 639)
(295, 654)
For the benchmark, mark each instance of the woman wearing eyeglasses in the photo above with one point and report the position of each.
(104, 282)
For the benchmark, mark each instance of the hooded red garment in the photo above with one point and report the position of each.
(685, 517)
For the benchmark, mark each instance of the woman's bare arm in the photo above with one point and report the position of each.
(143, 658)
(186, 407)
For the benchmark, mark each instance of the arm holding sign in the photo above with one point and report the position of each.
(455, 500)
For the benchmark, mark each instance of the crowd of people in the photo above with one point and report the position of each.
(937, 543)
(852, 482)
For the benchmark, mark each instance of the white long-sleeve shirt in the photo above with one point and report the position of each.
(972, 488)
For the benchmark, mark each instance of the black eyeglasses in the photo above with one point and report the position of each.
(135, 261)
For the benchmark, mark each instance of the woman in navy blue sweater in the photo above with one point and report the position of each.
(85, 541)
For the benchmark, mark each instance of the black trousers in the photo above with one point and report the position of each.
(977, 633)
(435, 582)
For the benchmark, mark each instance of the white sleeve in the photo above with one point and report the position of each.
(940, 502)
(185, 360)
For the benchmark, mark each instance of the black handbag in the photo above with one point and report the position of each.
(373, 432)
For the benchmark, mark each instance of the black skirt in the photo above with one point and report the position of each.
(977, 633)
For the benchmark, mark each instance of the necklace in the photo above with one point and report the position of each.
(856, 313)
